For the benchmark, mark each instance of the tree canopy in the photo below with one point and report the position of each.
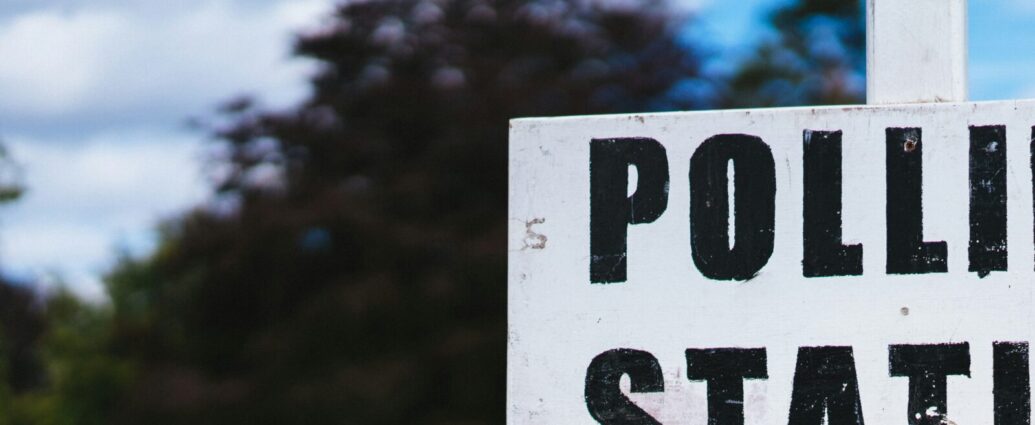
(815, 55)
(359, 273)
(352, 269)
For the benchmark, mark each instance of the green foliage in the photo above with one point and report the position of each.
(815, 56)
(86, 382)
(360, 274)
(21, 373)
(12, 185)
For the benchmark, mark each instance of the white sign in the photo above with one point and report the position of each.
(801, 266)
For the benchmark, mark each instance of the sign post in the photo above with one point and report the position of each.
(835, 265)
(916, 51)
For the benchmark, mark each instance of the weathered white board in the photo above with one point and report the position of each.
(560, 320)
(916, 51)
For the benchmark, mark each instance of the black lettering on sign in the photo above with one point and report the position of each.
(604, 398)
(1011, 389)
(1032, 158)
(754, 188)
(987, 199)
(825, 383)
(611, 209)
(825, 255)
(725, 370)
(927, 367)
(907, 251)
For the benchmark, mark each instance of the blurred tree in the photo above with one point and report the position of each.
(22, 321)
(815, 55)
(12, 178)
(21, 325)
(84, 382)
(354, 269)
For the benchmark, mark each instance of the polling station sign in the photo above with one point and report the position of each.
(838, 265)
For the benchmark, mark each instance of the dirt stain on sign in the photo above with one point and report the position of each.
(532, 239)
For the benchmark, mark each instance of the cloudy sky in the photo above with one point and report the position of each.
(94, 100)
(94, 96)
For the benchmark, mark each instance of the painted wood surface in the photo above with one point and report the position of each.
(916, 51)
(565, 326)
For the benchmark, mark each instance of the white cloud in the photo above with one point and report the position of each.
(52, 62)
(111, 170)
(93, 94)
(138, 65)
(85, 200)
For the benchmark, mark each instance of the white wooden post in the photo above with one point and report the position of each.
(916, 51)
